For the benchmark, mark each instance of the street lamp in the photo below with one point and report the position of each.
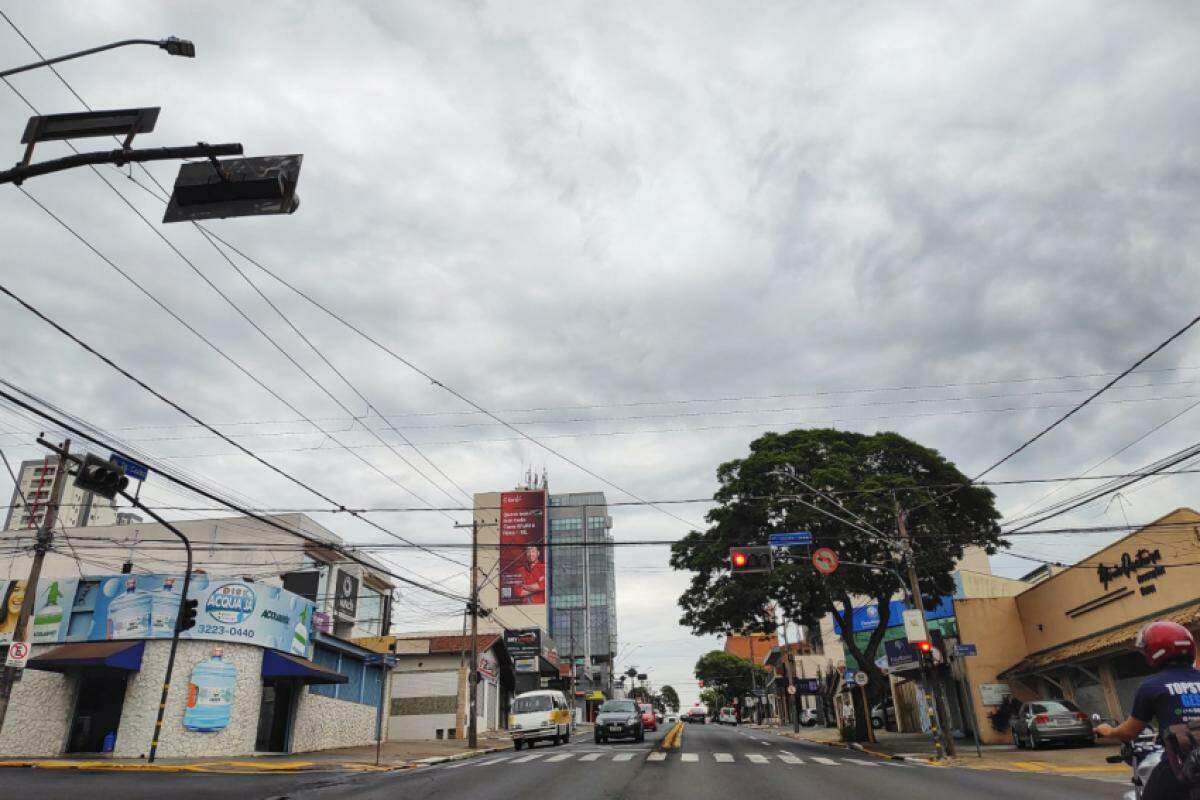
(172, 44)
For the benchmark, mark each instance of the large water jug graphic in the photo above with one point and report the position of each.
(129, 613)
(210, 694)
(48, 619)
(300, 632)
(164, 610)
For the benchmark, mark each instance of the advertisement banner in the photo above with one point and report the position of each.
(145, 607)
(523, 643)
(210, 695)
(523, 548)
(866, 618)
(345, 598)
(51, 608)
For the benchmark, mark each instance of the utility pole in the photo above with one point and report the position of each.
(472, 733)
(792, 701)
(45, 536)
(942, 738)
(587, 610)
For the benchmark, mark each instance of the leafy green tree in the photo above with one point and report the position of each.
(869, 475)
(713, 699)
(731, 677)
(670, 698)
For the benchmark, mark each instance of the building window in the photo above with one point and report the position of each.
(566, 524)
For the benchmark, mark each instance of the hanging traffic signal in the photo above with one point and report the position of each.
(925, 647)
(235, 187)
(745, 560)
(187, 614)
(101, 477)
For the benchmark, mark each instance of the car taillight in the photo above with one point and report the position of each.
(1042, 719)
(1082, 717)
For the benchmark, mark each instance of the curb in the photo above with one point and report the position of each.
(431, 760)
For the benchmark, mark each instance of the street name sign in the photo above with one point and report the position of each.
(133, 469)
(789, 539)
(966, 650)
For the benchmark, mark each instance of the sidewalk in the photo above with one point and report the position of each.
(393, 755)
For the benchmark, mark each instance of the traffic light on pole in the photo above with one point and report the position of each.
(101, 477)
(187, 614)
(745, 560)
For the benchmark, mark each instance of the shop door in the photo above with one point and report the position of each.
(275, 716)
(97, 710)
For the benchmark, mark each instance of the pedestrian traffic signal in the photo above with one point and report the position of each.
(744, 560)
(101, 477)
(187, 614)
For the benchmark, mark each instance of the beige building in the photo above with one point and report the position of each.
(79, 508)
(1071, 634)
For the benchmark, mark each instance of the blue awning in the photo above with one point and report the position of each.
(91, 655)
(286, 665)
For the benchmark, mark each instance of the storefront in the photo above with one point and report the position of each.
(1071, 635)
(248, 677)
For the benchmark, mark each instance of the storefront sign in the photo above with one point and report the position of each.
(867, 618)
(523, 643)
(51, 608)
(345, 599)
(488, 666)
(993, 694)
(1130, 564)
(810, 686)
(523, 548)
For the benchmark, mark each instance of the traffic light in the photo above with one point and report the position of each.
(235, 187)
(187, 614)
(101, 477)
(745, 560)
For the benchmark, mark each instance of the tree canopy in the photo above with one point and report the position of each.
(728, 677)
(670, 698)
(869, 476)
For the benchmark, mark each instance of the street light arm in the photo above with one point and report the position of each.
(173, 45)
(19, 174)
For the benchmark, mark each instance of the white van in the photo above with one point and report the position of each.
(539, 716)
(728, 716)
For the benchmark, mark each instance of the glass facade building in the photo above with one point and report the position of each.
(583, 618)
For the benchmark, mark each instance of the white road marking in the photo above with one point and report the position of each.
(689, 757)
(862, 762)
(529, 757)
(590, 757)
(790, 759)
(829, 762)
(560, 757)
(457, 764)
(755, 758)
(723, 758)
(492, 761)
(624, 756)
(764, 744)
(657, 757)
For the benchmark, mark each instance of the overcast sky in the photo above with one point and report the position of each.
(621, 216)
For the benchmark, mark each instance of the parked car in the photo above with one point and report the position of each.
(619, 719)
(883, 715)
(728, 716)
(649, 720)
(696, 714)
(1045, 721)
(541, 716)
(808, 717)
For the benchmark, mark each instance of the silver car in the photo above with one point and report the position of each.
(1045, 721)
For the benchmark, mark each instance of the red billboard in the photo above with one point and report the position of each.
(523, 548)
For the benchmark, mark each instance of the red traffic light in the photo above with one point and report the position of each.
(739, 559)
(924, 647)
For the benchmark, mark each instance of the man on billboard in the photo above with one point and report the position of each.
(531, 588)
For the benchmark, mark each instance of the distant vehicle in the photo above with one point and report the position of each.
(619, 719)
(696, 714)
(883, 715)
(658, 715)
(649, 721)
(808, 717)
(541, 716)
(1045, 721)
(728, 716)
(672, 718)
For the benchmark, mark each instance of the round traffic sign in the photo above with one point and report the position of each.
(825, 560)
(860, 678)
(791, 690)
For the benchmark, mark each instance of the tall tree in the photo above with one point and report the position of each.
(869, 475)
(730, 677)
(670, 697)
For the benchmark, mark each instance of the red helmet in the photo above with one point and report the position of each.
(1165, 641)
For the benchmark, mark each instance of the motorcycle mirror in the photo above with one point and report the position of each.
(1096, 719)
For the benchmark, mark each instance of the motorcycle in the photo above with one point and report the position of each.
(1142, 755)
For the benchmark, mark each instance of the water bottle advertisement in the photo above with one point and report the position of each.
(98, 608)
(210, 694)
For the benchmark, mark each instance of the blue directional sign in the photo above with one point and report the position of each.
(133, 469)
(966, 650)
(789, 539)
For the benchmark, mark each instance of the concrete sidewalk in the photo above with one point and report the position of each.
(393, 755)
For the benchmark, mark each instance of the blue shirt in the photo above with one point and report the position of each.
(1169, 697)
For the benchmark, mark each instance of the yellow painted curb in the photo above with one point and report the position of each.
(671, 740)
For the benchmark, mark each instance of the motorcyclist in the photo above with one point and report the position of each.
(1170, 696)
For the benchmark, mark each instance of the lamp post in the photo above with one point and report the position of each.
(173, 45)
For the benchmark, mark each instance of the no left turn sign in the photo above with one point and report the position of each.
(825, 560)
(18, 654)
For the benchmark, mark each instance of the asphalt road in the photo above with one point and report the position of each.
(717, 762)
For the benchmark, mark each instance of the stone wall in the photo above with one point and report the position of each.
(39, 713)
(145, 689)
(324, 722)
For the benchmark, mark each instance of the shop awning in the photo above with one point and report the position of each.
(1098, 645)
(96, 655)
(286, 665)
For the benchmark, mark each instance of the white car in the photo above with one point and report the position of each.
(808, 717)
(672, 719)
(727, 717)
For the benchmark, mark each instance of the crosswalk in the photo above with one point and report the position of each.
(661, 757)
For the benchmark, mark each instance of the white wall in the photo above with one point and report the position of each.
(324, 723)
(39, 713)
